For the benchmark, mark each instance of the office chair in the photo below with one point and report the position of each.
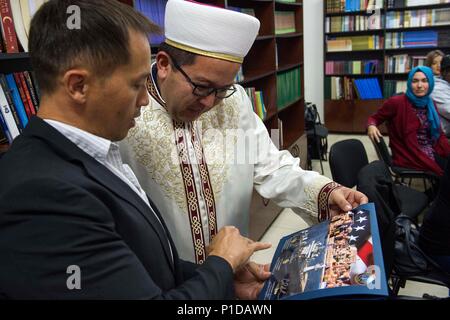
(400, 174)
(375, 181)
(347, 157)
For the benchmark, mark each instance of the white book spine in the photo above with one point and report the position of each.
(7, 115)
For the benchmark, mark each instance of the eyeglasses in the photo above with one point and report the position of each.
(203, 91)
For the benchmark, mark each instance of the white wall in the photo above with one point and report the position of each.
(313, 52)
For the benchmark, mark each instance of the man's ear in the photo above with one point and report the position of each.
(163, 65)
(76, 84)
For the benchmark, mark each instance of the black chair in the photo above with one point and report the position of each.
(317, 135)
(375, 181)
(400, 174)
(347, 157)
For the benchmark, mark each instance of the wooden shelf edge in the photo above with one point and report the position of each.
(264, 37)
(345, 33)
(446, 26)
(14, 56)
(354, 75)
(255, 77)
(288, 4)
(289, 35)
(289, 66)
(290, 104)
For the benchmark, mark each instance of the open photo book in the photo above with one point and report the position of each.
(337, 258)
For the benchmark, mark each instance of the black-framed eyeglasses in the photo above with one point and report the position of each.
(203, 91)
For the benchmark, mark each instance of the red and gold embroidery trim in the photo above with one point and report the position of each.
(191, 194)
(323, 198)
(207, 189)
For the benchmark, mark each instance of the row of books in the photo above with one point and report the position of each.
(371, 42)
(336, 6)
(392, 87)
(288, 87)
(353, 23)
(15, 23)
(418, 18)
(368, 88)
(155, 11)
(284, 22)
(347, 88)
(411, 3)
(257, 99)
(19, 100)
(337, 88)
(412, 39)
(353, 67)
(401, 63)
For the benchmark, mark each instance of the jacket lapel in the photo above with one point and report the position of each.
(102, 175)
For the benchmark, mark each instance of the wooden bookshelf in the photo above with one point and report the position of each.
(350, 116)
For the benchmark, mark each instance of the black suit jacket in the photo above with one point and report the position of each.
(60, 207)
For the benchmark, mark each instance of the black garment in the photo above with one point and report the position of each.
(60, 207)
(435, 230)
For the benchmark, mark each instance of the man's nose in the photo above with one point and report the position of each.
(208, 101)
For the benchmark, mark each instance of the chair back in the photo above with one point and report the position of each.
(383, 152)
(347, 157)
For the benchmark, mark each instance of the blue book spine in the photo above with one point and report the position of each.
(17, 100)
(5, 129)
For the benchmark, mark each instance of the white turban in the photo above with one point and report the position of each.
(209, 31)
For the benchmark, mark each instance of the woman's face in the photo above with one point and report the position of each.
(420, 84)
(436, 65)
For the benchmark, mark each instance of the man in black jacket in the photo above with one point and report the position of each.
(74, 221)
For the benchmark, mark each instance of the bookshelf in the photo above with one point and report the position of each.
(407, 30)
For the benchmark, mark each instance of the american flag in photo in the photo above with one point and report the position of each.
(361, 238)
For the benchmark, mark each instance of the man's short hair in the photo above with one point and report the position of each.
(183, 58)
(100, 41)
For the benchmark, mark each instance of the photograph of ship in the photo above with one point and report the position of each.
(331, 254)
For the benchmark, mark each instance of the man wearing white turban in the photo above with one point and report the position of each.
(199, 149)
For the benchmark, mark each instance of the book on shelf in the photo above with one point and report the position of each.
(418, 18)
(249, 11)
(340, 257)
(284, 22)
(240, 75)
(16, 18)
(402, 63)
(412, 39)
(353, 67)
(19, 100)
(288, 87)
(353, 23)
(368, 88)
(257, 99)
(341, 6)
(154, 10)
(354, 43)
(392, 87)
